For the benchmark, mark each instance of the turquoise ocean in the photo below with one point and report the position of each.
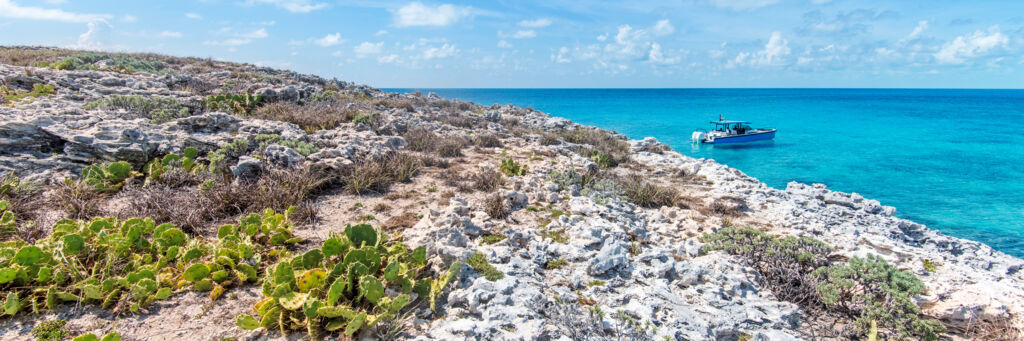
(950, 159)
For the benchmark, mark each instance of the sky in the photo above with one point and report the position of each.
(561, 43)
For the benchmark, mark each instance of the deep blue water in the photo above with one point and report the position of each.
(950, 159)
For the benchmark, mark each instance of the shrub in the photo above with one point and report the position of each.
(38, 90)
(870, 291)
(23, 203)
(312, 116)
(512, 168)
(228, 153)
(479, 263)
(605, 147)
(864, 291)
(487, 180)
(487, 140)
(117, 63)
(354, 280)
(239, 104)
(76, 199)
(496, 206)
(556, 264)
(367, 176)
(401, 167)
(302, 147)
(491, 239)
(421, 140)
(52, 330)
(156, 109)
(645, 194)
(450, 147)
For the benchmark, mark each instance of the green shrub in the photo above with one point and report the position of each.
(156, 109)
(117, 63)
(479, 263)
(228, 154)
(52, 330)
(639, 191)
(241, 104)
(556, 264)
(491, 239)
(605, 149)
(355, 280)
(302, 147)
(863, 291)
(110, 177)
(871, 291)
(38, 90)
(512, 168)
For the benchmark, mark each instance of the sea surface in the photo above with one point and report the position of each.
(950, 159)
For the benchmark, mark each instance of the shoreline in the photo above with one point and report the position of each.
(549, 239)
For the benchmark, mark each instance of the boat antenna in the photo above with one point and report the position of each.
(721, 117)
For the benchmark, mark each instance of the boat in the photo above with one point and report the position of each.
(724, 131)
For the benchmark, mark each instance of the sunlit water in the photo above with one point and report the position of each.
(950, 159)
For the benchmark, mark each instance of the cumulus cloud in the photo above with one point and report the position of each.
(11, 10)
(966, 47)
(921, 26)
(194, 16)
(367, 48)
(169, 34)
(329, 40)
(95, 37)
(443, 51)
(294, 6)
(773, 53)
(418, 14)
(257, 34)
(663, 27)
(502, 44)
(536, 23)
(742, 5)
(614, 53)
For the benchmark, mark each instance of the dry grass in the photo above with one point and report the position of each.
(600, 141)
(450, 147)
(375, 175)
(26, 202)
(639, 191)
(318, 115)
(1001, 329)
(426, 141)
(725, 207)
(487, 140)
(76, 199)
(32, 56)
(496, 206)
(400, 222)
(488, 180)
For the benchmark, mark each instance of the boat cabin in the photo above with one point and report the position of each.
(732, 127)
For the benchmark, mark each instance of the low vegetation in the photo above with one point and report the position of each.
(156, 109)
(239, 104)
(14, 96)
(862, 293)
(598, 145)
(479, 263)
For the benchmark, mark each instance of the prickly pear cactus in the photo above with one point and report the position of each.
(353, 281)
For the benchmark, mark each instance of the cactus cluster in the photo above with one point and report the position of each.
(7, 224)
(512, 168)
(238, 104)
(354, 280)
(110, 177)
(130, 264)
(187, 162)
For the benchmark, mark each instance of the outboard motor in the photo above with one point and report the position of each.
(697, 137)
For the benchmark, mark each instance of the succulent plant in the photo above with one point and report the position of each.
(108, 178)
(343, 286)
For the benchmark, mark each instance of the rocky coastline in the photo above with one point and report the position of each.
(560, 248)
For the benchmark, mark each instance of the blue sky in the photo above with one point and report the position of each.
(561, 43)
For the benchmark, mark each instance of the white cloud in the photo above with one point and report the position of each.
(257, 34)
(443, 51)
(657, 57)
(391, 58)
(169, 34)
(773, 53)
(367, 48)
(921, 26)
(195, 16)
(228, 42)
(742, 5)
(663, 27)
(504, 44)
(294, 6)
(970, 46)
(537, 23)
(418, 14)
(9, 9)
(129, 18)
(380, 33)
(329, 40)
(94, 38)
(562, 56)
(520, 34)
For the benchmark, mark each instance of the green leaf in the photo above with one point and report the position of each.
(310, 307)
(163, 293)
(196, 272)
(247, 322)
(93, 291)
(339, 311)
(173, 237)
(283, 273)
(371, 288)
(336, 290)
(191, 153)
(30, 255)
(7, 275)
(293, 300)
(331, 247)
(362, 234)
(391, 272)
(399, 302)
(419, 256)
(73, 244)
(355, 324)
(11, 304)
(226, 230)
(312, 258)
(311, 279)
